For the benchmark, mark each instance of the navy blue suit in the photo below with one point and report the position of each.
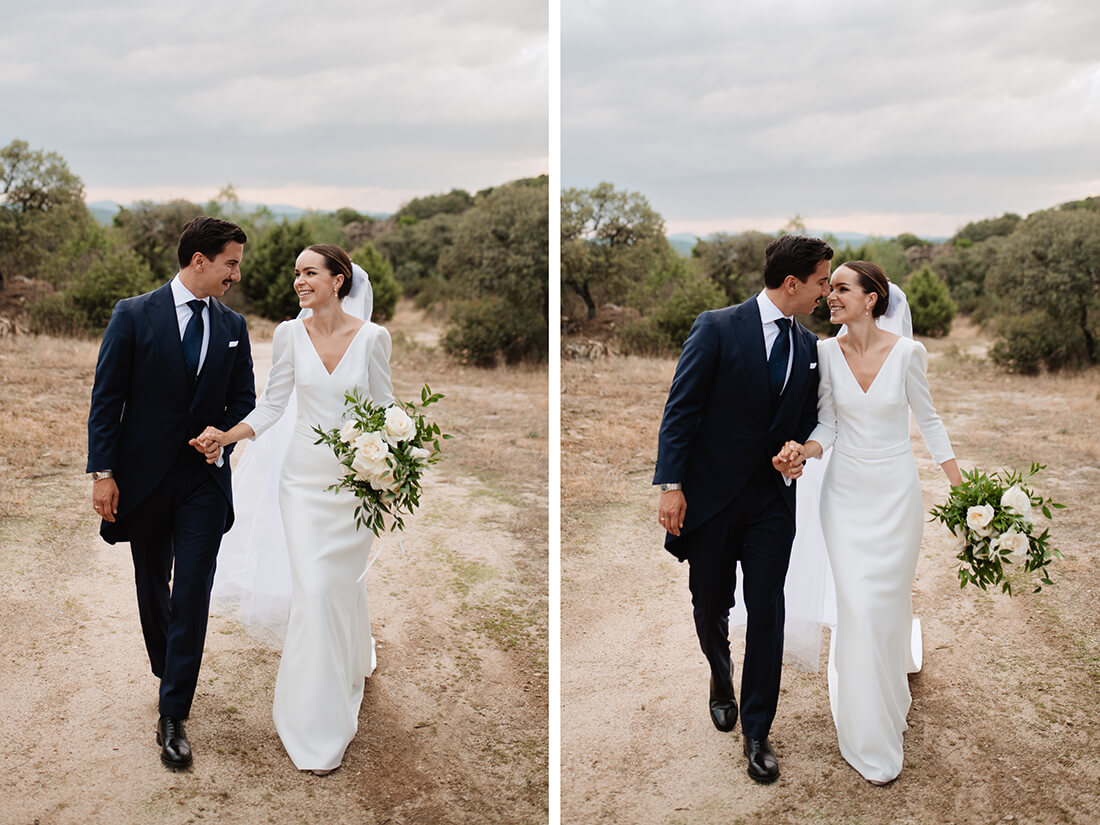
(719, 432)
(173, 507)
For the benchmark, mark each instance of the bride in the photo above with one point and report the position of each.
(328, 649)
(871, 512)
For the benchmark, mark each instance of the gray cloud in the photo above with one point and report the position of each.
(720, 110)
(420, 96)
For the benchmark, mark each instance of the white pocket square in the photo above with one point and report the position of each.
(234, 343)
(813, 364)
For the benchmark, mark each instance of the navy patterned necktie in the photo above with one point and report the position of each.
(777, 361)
(192, 338)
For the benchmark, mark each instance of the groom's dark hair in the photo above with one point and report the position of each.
(793, 255)
(208, 236)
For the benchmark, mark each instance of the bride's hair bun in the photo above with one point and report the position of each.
(338, 264)
(872, 279)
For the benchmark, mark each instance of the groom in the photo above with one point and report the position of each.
(172, 361)
(746, 382)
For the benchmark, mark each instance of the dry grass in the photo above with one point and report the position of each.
(453, 726)
(1006, 711)
(43, 422)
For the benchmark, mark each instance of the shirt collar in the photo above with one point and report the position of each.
(768, 311)
(181, 294)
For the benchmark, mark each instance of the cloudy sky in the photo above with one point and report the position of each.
(858, 115)
(362, 103)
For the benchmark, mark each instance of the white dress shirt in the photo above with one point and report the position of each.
(181, 295)
(769, 312)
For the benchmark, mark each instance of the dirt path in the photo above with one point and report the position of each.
(453, 724)
(1006, 712)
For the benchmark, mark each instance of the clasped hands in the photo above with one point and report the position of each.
(791, 460)
(210, 443)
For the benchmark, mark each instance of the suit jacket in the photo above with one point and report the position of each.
(719, 428)
(145, 408)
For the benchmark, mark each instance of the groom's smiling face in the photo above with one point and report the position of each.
(806, 295)
(214, 277)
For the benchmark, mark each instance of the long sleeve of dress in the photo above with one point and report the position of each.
(920, 402)
(280, 381)
(825, 431)
(378, 369)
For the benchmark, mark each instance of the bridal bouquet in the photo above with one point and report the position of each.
(992, 519)
(384, 451)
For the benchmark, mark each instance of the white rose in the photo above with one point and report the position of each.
(978, 517)
(958, 540)
(1017, 501)
(383, 481)
(349, 432)
(1014, 542)
(981, 532)
(399, 427)
(371, 453)
(418, 453)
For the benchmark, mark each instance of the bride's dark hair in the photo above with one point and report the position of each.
(872, 279)
(338, 264)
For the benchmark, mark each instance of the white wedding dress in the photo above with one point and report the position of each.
(328, 649)
(252, 583)
(872, 516)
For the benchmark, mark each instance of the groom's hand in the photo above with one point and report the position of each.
(207, 444)
(105, 498)
(671, 510)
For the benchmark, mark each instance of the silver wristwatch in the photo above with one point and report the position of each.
(100, 474)
(671, 485)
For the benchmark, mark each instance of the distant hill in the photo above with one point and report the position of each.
(684, 242)
(104, 211)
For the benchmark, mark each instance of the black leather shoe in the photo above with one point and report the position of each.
(176, 750)
(763, 766)
(723, 707)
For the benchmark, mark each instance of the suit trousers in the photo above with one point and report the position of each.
(755, 529)
(174, 538)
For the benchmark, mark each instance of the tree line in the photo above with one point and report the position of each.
(1033, 282)
(480, 260)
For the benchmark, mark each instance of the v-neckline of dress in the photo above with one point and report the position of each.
(343, 354)
(881, 366)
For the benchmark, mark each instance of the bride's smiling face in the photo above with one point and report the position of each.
(313, 283)
(847, 301)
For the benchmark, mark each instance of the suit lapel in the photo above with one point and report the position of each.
(750, 339)
(160, 309)
(800, 367)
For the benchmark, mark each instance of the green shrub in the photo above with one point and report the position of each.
(485, 328)
(383, 284)
(930, 302)
(1027, 342)
(644, 337)
(675, 316)
(666, 328)
(55, 315)
(118, 273)
(267, 273)
(102, 270)
(498, 268)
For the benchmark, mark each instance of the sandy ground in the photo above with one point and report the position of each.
(453, 727)
(1006, 711)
